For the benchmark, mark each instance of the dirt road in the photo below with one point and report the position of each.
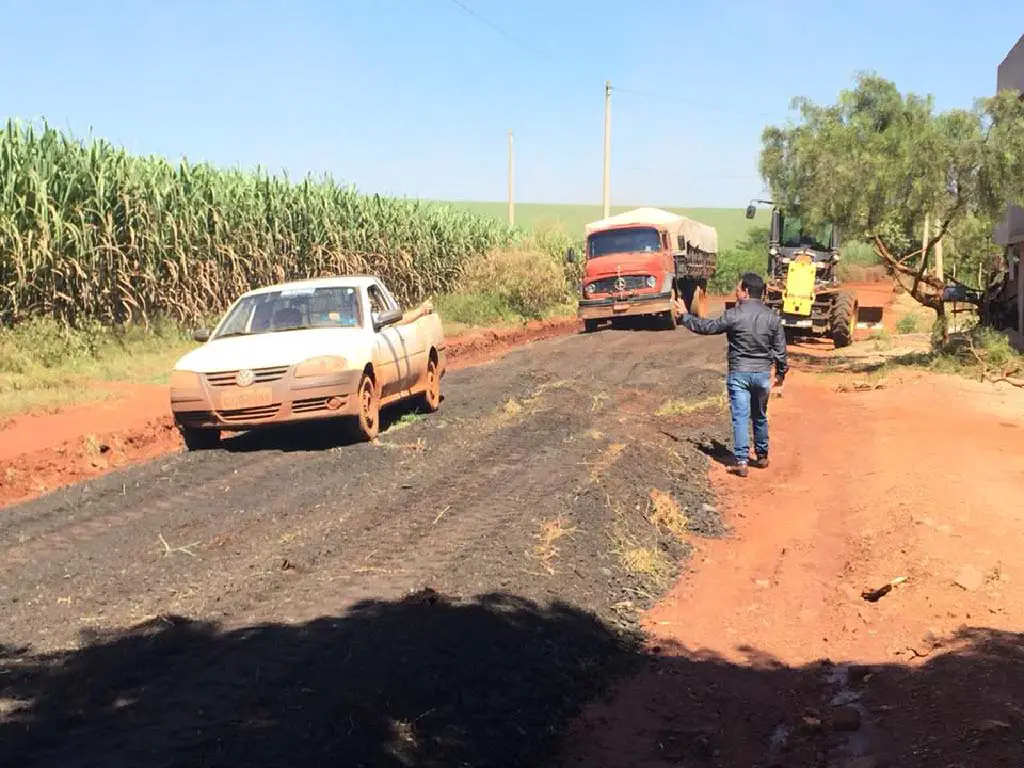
(920, 480)
(462, 592)
(268, 583)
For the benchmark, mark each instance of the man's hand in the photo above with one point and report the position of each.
(776, 389)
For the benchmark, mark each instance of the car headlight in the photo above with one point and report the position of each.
(185, 380)
(320, 366)
(651, 281)
(588, 289)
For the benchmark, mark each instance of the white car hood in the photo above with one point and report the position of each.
(267, 350)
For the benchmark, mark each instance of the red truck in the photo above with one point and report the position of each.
(643, 262)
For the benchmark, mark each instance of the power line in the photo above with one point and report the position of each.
(500, 31)
(632, 91)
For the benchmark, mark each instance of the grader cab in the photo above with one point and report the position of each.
(802, 284)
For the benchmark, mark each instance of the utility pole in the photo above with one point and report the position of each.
(511, 183)
(606, 198)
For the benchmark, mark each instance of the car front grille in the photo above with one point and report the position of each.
(310, 405)
(257, 413)
(260, 376)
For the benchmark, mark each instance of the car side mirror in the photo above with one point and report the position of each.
(385, 319)
(751, 212)
(570, 256)
(201, 335)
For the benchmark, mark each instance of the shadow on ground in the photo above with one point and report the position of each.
(495, 681)
(319, 434)
(426, 681)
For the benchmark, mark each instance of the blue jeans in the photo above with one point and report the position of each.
(748, 401)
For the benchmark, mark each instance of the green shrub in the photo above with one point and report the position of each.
(907, 324)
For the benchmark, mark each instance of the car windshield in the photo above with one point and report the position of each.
(623, 241)
(795, 235)
(293, 309)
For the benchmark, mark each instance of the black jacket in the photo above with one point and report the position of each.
(755, 334)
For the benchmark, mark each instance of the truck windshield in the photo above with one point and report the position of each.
(623, 241)
(293, 309)
(795, 235)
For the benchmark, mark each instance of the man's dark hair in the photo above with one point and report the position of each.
(753, 283)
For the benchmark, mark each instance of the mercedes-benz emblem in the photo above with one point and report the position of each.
(620, 284)
(244, 378)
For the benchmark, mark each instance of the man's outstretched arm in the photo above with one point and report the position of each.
(707, 326)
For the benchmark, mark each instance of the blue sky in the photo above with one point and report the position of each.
(415, 97)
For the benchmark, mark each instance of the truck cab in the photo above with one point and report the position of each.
(642, 262)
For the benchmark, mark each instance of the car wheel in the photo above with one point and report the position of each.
(368, 420)
(430, 400)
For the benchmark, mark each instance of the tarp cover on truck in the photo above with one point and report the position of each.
(700, 236)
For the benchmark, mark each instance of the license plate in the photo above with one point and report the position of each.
(620, 306)
(237, 399)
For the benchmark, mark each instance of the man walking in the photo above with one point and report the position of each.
(756, 341)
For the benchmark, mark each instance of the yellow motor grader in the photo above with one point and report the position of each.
(801, 283)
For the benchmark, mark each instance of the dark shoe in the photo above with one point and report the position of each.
(740, 470)
(761, 462)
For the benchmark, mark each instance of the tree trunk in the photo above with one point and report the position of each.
(924, 287)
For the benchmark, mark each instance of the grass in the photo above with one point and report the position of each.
(731, 224)
(908, 324)
(980, 353)
(682, 407)
(546, 549)
(665, 514)
(44, 367)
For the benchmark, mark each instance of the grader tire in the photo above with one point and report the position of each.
(843, 319)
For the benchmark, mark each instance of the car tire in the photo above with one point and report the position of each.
(368, 417)
(430, 400)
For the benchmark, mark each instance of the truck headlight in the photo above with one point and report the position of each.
(651, 281)
(588, 289)
(320, 366)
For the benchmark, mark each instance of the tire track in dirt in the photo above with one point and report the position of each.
(294, 532)
(280, 519)
(84, 518)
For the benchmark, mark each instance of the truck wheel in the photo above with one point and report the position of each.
(368, 419)
(430, 400)
(669, 319)
(589, 326)
(200, 439)
(843, 319)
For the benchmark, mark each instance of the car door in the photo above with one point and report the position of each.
(413, 345)
(389, 358)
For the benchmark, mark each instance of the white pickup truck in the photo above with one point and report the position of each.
(308, 350)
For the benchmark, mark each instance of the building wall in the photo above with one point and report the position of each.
(1011, 75)
(1011, 230)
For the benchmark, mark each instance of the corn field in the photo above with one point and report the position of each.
(91, 233)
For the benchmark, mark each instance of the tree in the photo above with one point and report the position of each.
(878, 162)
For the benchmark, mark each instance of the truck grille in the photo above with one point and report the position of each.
(260, 376)
(607, 284)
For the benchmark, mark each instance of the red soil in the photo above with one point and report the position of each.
(42, 452)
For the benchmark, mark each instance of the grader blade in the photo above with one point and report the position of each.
(870, 317)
